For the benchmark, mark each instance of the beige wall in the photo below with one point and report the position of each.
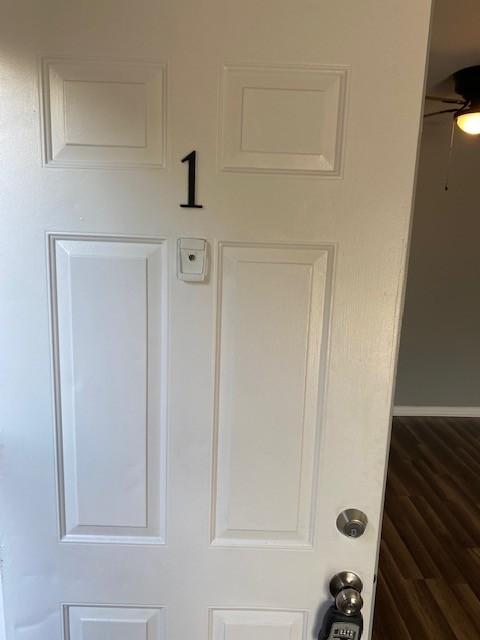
(439, 363)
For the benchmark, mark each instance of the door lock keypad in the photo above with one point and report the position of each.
(344, 631)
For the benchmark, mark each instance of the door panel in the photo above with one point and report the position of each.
(109, 315)
(263, 625)
(270, 364)
(283, 119)
(181, 473)
(103, 113)
(121, 623)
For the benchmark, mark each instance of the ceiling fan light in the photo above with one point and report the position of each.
(469, 122)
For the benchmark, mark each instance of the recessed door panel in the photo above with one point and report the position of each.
(256, 624)
(115, 623)
(108, 310)
(272, 320)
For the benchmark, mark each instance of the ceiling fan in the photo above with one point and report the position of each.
(466, 113)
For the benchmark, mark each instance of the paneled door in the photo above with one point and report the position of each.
(192, 394)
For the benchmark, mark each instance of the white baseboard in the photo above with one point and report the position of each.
(445, 412)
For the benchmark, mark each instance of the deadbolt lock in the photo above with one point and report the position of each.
(352, 523)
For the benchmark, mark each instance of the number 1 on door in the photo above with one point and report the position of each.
(192, 168)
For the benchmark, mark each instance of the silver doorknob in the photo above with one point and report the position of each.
(349, 602)
(352, 523)
(346, 588)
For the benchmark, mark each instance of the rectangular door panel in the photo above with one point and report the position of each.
(273, 303)
(257, 624)
(286, 119)
(103, 113)
(117, 623)
(108, 318)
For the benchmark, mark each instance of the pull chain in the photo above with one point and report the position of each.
(450, 153)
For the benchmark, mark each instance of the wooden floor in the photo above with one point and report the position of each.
(429, 575)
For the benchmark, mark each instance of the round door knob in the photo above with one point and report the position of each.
(349, 601)
(352, 523)
(345, 580)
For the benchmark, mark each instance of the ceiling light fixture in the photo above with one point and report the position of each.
(466, 115)
(467, 85)
(469, 121)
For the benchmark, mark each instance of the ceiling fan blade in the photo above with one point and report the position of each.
(445, 100)
(437, 113)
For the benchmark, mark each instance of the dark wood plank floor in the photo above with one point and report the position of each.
(429, 573)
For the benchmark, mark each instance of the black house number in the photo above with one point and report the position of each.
(192, 168)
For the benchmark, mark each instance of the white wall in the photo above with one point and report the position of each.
(439, 363)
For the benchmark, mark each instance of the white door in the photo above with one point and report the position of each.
(175, 454)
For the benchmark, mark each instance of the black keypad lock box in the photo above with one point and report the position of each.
(337, 626)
